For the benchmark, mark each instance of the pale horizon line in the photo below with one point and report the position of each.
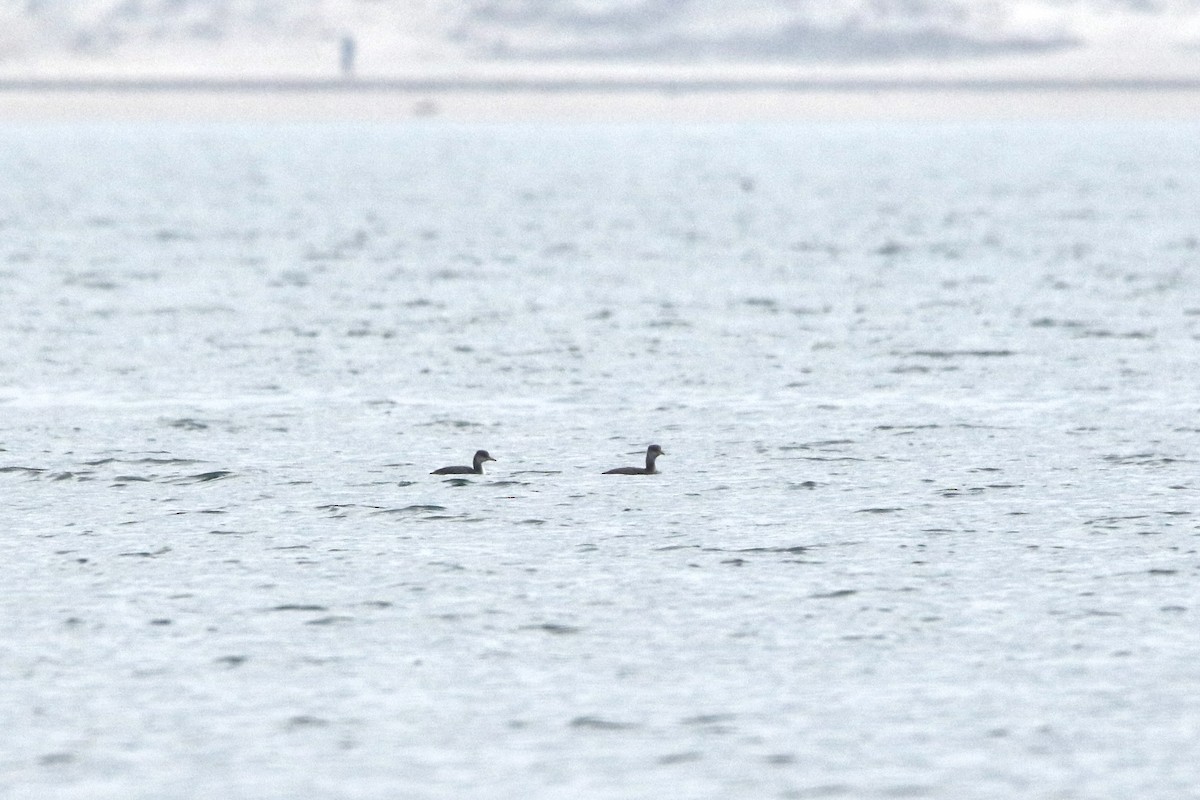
(570, 84)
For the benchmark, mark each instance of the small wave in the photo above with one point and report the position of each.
(601, 724)
(552, 627)
(1142, 459)
(70, 476)
(836, 593)
(942, 354)
(795, 550)
(186, 424)
(202, 477)
(121, 479)
(32, 472)
(413, 509)
(147, 553)
(156, 460)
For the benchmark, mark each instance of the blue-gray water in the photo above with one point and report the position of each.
(926, 526)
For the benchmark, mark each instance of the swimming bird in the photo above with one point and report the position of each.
(477, 468)
(652, 453)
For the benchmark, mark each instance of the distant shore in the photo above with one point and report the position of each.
(577, 84)
(609, 97)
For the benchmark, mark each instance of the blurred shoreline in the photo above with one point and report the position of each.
(621, 98)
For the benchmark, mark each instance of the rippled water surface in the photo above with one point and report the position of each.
(926, 526)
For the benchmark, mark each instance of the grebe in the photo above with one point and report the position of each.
(477, 468)
(652, 453)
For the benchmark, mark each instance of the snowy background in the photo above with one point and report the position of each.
(1013, 38)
